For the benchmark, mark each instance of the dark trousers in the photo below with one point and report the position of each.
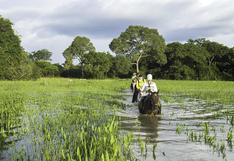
(135, 95)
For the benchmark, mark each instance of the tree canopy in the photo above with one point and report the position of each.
(97, 64)
(138, 42)
(41, 55)
(121, 66)
(14, 62)
(77, 50)
(198, 59)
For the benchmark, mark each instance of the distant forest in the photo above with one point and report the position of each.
(137, 49)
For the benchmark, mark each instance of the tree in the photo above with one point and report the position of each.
(196, 58)
(77, 50)
(219, 59)
(14, 62)
(47, 69)
(186, 61)
(42, 59)
(121, 66)
(41, 55)
(176, 67)
(97, 64)
(138, 42)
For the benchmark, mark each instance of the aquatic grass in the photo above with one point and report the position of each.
(230, 119)
(179, 128)
(213, 91)
(92, 139)
(68, 119)
(206, 133)
(229, 138)
(11, 109)
(71, 119)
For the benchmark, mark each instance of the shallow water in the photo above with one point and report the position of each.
(160, 132)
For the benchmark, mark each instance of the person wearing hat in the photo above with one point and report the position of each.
(148, 86)
(139, 83)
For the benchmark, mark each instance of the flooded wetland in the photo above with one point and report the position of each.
(189, 130)
(69, 119)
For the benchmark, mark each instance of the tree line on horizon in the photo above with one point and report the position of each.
(137, 49)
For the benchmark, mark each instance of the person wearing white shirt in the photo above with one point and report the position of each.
(149, 85)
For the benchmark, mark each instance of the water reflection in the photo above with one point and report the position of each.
(149, 126)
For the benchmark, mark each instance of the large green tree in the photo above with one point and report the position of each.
(176, 68)
(97, 64)
(120, 66)
(77, 50)
(14, 62)
(186, 61)
(137, 42)
(220, 59)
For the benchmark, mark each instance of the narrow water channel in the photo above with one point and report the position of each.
(160, 133)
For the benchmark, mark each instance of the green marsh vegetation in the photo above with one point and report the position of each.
(70, 119)
(211, 91)
(63, 119)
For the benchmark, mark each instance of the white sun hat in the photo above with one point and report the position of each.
(149, 77)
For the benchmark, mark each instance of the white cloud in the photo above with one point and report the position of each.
(53, 24)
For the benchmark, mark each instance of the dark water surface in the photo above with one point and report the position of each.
(160, 134)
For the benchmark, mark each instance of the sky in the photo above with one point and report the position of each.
(53, 24)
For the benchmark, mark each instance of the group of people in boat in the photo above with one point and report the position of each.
(141, 87)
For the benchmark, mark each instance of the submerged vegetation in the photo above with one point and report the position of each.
(70, 119)
(62, 119)
(209, 134)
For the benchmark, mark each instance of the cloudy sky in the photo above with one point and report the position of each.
(53, 24)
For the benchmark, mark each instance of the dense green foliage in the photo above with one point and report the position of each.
(137, 49)
(137, 42)
(142, 47)
(121, 66)
(44, 68)
(14, 62)
(41, 55)
(80, 47)
(100, 65)
(97, 65)
(198, 59)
